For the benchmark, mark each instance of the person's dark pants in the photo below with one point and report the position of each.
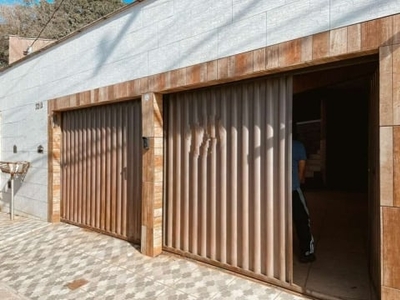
(301, 220)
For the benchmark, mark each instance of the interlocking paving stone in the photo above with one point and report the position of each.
(39, 260)
(6, 293)
(204, 282)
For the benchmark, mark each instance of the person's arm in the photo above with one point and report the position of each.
(302, 171)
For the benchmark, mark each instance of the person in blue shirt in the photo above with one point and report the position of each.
(301, 217)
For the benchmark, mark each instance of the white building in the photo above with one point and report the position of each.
(139, 59)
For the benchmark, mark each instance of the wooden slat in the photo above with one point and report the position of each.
(203, 216)
(92, 171)
(193, 186)
(99, 167)
(233, 184)
(178, 189)
(124, 165)
(256, 209)
(288, 179)
(75, 175)
(282, 181)
(244, 180)
(222, 179)
(186, 181)
(213, 177)
(270, 188)
(103, 170)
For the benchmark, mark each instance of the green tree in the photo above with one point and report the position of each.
(50, 20)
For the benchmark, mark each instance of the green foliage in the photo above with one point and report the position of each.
(29, 19)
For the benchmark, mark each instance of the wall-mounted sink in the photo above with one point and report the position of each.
(15, 167)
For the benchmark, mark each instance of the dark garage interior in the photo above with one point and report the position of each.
(332, 111)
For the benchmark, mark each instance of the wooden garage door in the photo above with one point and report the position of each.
(101, 169)
(229, 176)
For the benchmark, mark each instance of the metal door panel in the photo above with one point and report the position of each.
(101, 163)
(229, 174)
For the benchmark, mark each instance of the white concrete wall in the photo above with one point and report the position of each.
(149, 38)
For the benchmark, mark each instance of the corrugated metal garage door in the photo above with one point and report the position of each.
(229, 176)
(101, 168)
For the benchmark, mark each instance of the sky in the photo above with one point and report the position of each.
(9, 1)
(20, 1)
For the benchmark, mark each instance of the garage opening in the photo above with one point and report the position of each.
(336, 115)
(228, 178)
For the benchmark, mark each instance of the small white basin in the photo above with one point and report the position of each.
(15, 167)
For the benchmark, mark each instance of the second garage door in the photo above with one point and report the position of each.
(228, 176)
(101, 169)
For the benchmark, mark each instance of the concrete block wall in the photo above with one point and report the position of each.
(24, 128)
(148, 38)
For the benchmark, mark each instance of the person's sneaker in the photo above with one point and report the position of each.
(307, 258)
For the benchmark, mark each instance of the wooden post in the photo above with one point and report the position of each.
(152, 174)
(54, 159)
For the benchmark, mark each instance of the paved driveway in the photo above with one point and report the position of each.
(39, 260)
